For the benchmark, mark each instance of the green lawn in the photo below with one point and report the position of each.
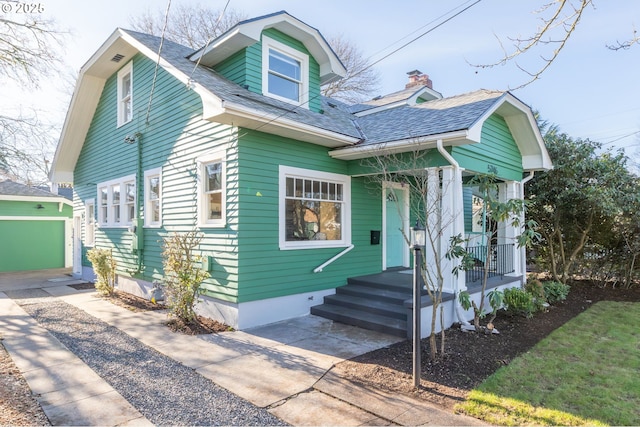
(585, 373)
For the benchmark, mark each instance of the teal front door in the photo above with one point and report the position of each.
(394, 240)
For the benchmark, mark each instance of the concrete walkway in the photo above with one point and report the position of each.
(283, 367)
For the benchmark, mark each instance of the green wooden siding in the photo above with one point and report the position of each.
(467, 201)
(28, 208)
(174, 137)
(265, 270)
(245, 67)
(399, 162)
(235, 69)
(496, 148)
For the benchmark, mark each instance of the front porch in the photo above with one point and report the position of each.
(383, 302)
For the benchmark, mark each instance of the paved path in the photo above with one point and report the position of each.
(284, 367)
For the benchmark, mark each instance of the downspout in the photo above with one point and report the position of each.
(139, 184)
(456, 302)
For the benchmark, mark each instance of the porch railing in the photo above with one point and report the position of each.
(500, 261)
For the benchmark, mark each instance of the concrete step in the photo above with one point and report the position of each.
(363, 319)
(379, 283)
(383, 308)
(373, 293)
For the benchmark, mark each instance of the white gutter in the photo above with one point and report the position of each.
(321, 267)
(527, 179)
(456, 291)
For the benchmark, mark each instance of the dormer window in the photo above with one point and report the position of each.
(285, 72)
(125, 92)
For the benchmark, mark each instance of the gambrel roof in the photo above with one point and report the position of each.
(350, 131)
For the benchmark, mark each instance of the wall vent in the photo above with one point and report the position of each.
(117, 57)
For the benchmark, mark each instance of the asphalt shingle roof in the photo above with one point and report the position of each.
(176, 54)
(429, 118)
(10, 188)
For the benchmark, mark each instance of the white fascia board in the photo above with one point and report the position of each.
(209, 100)
(223, 47)
(400, 146)
(524, 129)
(246, 34)
(281, 125)
(39, 199)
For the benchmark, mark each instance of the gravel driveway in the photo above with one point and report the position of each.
(163, 390)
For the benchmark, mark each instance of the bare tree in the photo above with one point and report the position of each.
(634, 39)
(27, 145)
(195, 25)
(29, 52)
(553, 33)
(361, 80)
(558, 22)
(190, 25)
(28, 48)
(426, 188)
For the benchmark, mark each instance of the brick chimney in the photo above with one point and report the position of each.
(416, 78)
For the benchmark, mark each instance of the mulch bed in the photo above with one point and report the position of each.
(83, 286)
(133, 302)
(469, 357)
(201, 325)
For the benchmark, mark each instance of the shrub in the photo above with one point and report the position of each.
(555, 292)
(519, 302)
(105, 268)
(536, 289)
(183, 274)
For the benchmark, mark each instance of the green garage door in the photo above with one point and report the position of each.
(31, 245)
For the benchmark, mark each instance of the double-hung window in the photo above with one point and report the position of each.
(152, 198)
(125, 94)
(285, 72)
(212, 190)
(315, 209)
(89, 222)
(117, 200)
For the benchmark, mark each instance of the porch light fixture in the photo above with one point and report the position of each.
(39, 206)
(418, 236)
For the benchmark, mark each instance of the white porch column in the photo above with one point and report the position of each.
(507, 233)
(432, 222)
(452, 217)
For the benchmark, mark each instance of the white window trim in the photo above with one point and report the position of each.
(203, 221)
(269, 43)
(89, 223)
(108, 222)
(147, 191)
(127, 69)
(345, 180)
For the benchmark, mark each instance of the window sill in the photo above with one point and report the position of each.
(314, 245)
(213, 225)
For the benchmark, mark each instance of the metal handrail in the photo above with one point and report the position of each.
(501, 260)
(319, 268)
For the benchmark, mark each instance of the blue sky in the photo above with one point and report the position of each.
(590, 91)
